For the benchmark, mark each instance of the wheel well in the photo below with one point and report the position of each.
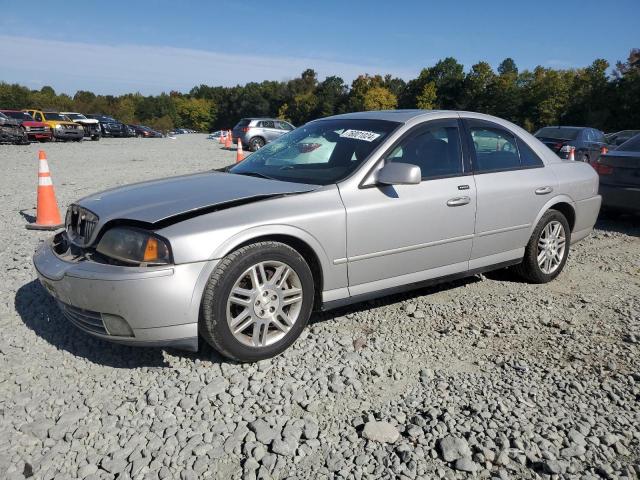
(306, 252)
(568, 211)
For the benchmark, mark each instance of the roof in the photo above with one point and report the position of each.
(391, 115)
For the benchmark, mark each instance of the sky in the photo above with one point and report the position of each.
(153, 46)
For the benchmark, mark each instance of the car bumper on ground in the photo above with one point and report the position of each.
(621, 198)
(158, 305)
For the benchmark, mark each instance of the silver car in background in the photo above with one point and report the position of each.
(255, 133)
(343, 209)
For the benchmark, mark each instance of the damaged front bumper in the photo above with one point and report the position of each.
(144, 306)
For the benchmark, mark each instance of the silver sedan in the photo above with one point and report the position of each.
(343, 209)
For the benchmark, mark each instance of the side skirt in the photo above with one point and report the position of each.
(414, 286)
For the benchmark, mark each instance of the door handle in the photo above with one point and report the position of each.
(544, 190)
(458, 201)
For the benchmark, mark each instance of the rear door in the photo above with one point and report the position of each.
(512, 187)
(269, 130)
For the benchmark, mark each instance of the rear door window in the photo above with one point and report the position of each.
(267, 124)
(38, 117)
(495, 149)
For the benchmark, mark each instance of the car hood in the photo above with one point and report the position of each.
(88, 121)
(162, 200)
(33, 123)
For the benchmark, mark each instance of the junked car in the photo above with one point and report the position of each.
(340, 210)
(39, 131)
(11, 131)
(91, 126)
(61, 126)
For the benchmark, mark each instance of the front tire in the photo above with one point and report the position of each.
(546, 253)
(257, 301)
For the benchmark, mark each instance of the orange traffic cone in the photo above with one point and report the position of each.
(48, 215)
(572, 153)
(239, 152)
(227, 140)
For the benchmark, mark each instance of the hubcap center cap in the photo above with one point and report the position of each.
(266, 303)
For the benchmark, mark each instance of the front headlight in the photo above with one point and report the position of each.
(134, 246)
(58, 126)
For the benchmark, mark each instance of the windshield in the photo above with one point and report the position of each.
(19, 115)
(75, 116)
(320, 153)
(558, 133)
(55, 116)
(631, 145)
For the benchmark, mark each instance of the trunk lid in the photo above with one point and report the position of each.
(619, 168)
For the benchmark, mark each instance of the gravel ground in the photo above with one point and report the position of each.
(486, 377)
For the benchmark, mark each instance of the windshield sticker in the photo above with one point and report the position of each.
(360, 135)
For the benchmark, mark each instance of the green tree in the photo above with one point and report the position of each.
(427, 99)
(379, 98)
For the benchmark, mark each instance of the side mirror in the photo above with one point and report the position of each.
(399, 174)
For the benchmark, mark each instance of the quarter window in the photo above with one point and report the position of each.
(436, 150)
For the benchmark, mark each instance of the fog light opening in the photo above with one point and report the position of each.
(116, 325)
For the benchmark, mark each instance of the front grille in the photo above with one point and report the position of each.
(36, 130)
(80, 224)
(84, 319)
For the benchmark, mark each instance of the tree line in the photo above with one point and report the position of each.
(587, 96)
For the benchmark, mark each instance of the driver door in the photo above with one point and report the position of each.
(401, 234)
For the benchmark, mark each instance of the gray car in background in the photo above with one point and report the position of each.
(340, 210)
(255, 133)
(587, 142)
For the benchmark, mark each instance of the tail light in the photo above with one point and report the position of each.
(245, 129)
(603, 169)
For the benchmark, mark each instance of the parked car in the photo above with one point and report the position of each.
(588, 142)
(215, 135)
(39, 131)
(11, 131)
(341, 210)
(257, 132)
(110, 127)
(62, 127)
(619, 171)
(618, 138)
(91, 126)
(145, 132)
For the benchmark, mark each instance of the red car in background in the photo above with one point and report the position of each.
(35, 130)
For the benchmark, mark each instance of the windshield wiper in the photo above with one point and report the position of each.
(254, 174)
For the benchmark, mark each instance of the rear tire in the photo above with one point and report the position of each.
(546, 253)
(257, 301)
(256, 143)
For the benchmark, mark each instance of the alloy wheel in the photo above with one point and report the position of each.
(264, 303)
(551, 247)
